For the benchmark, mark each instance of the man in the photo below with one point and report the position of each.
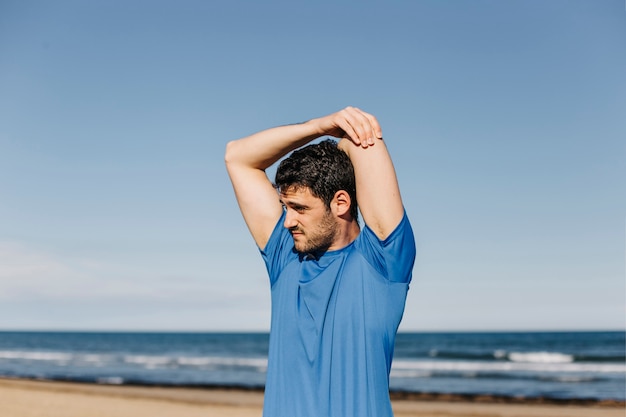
(338, 292)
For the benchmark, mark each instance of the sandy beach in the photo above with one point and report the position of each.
(25, 398)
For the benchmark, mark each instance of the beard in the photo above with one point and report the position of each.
(319, 239)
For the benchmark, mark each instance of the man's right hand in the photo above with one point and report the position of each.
(350, 123)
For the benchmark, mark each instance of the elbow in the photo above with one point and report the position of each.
(235, 156)
(230, 155)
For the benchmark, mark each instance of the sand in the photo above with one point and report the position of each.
(23, 398)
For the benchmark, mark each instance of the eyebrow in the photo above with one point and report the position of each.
(294, 205)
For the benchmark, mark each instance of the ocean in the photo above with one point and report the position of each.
(547, 365)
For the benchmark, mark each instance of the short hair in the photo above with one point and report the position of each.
(323, 168)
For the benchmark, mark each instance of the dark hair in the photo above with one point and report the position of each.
(323, 168)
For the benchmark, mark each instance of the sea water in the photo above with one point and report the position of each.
(554, 365)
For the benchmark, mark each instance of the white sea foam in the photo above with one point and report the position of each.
(145, 361)
(95, 359)
(61, 358)
(409, 373)
(540, 357)
(149, 361)
(195, 361)
(259, 363)
(485, 366)
(35, 356)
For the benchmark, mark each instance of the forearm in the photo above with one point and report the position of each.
(262, 149)
(246, 162)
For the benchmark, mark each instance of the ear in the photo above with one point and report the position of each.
(341, 203)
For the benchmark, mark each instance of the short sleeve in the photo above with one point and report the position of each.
(393, 257)
(278, 251)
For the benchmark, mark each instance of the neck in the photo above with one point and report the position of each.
(347, 232)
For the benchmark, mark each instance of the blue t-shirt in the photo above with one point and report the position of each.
(334, 322)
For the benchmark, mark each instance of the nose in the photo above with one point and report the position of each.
(290, 219)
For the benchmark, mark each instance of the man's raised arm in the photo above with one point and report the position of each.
(377, 190)
(246, 161)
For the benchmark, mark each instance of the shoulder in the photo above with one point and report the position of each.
(402, 230)
(278, 250)
(394, 256)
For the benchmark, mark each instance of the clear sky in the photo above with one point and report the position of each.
(506, 121)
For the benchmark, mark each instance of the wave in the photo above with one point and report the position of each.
(535, 362)
(532, 357)
(36, 356)
(196, 361)
(494, 375)
(540, 357)
(482, 366)
(145, 361)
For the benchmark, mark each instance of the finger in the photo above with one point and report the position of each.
(376, 129)
(344, 123)
(369, 127)
(358, 126)
(373, 125)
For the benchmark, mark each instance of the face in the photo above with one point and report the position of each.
(310, 222)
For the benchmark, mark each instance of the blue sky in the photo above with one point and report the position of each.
(506, 122)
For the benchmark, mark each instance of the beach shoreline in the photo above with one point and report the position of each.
(28, 398)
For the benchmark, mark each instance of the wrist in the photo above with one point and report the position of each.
(315, 128)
